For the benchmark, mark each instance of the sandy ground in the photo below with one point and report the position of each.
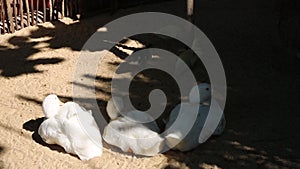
(261, 110)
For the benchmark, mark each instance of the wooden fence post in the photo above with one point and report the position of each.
(27, 11)
(62, 8)
(3, 16)
(44, 6)
(21, 13)
(9, 16)
(67, 8)
(51, 9)
(54, 7)
(37, 11)
(15, 14)
(190, 10)
(32, 12)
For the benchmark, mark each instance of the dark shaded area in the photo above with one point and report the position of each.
(261, 112)
(2, 150)
(172, 45)
(91, 8)
(289, 27)
(139, 91)
(99, 78)
(1, 162)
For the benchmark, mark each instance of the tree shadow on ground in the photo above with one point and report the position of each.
(15, 62)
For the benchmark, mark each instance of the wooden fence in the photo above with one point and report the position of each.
(17, 14)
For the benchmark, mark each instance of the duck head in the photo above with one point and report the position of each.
(114, 107)
(51, 105)
(202, 95)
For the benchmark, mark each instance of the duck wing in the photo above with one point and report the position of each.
(82, 131)
(148, 142)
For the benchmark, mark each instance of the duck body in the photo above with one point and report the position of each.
(180, 133)
(73, 128)
(176, 138)
(132, 136)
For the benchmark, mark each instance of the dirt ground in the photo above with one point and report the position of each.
(261, 110)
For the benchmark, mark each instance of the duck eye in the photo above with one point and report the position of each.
(207, 89)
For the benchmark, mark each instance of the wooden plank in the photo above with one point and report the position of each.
(4, 17)
(75, 9)
(80, 6)
(28, 13)
(54, 9)
(37, 11)
(190, 8)
(71, 8)
(9, 16)
(67, 8)
(44, 8)
(32, 12)
(62, 9)
(21, 13)
(15, 14)
(1, 16)
(50, 10)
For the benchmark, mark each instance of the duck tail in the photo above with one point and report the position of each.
(172, 140)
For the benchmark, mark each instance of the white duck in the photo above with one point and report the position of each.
(71, 127)
(196, 109)
(203, 96)
(132, 136)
